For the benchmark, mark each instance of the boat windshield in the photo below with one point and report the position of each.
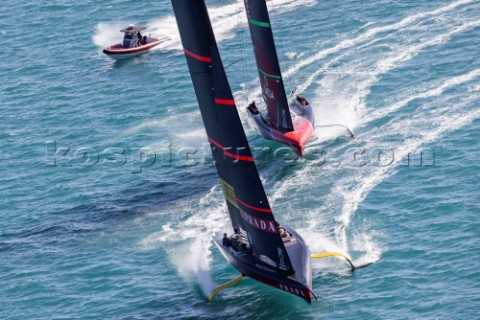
(128, 35)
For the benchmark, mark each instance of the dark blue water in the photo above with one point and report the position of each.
(109, 199)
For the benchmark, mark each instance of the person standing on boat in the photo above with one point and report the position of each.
(225, 240)
(301, 100)
(299, 106)
(139, 37)
(284, 234)
(253, 108)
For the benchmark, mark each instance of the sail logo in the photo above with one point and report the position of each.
(266, 90)
(228, 192)
(261, 224)
(281, 263)
(267, 260)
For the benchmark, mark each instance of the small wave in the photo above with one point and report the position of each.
(189, 241)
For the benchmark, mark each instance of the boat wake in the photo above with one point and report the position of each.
(226, 20)
(188, 239)
(107, 34)
(348, 72)
(343, 77)
(435, 91)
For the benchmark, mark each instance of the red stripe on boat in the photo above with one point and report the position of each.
(229, 154)
(225, 101)
(198, 57)
(296, 291)
(252, 207)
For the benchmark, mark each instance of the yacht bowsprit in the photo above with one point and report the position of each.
(133, 44)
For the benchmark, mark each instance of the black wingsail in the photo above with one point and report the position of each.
(247, 203)
(268, 66)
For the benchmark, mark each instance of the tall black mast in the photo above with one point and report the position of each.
(247, 203)
(268, 65)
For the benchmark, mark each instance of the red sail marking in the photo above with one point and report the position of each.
(252, 207)
(198, 57)
(227, 102)
(229, 154)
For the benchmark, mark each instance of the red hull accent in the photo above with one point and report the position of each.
(297, 138)
(302, 293)
(118, 50)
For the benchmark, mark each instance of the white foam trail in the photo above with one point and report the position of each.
(352, 198)
(365, 242)
(190, 134)
(107, 34)
(191, 137)
(448, 84)
(152, 124)
(318, 243)
(387, 64)
(354, 190)
(347, 102)
(355, 99)
(223, 19)
(186, 230)
(226, 19)
(190, 240)
(371, 33)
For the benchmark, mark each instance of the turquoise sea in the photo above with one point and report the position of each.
(109, 199)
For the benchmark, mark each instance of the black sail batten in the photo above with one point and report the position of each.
(268, 66)
(246, 200)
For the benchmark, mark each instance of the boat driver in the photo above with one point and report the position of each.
(284, 234)
(301, 100)
(253, 108)
(141, 39)
(299, 106)
(225, 241)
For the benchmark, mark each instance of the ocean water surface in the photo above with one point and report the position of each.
(109, 200)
